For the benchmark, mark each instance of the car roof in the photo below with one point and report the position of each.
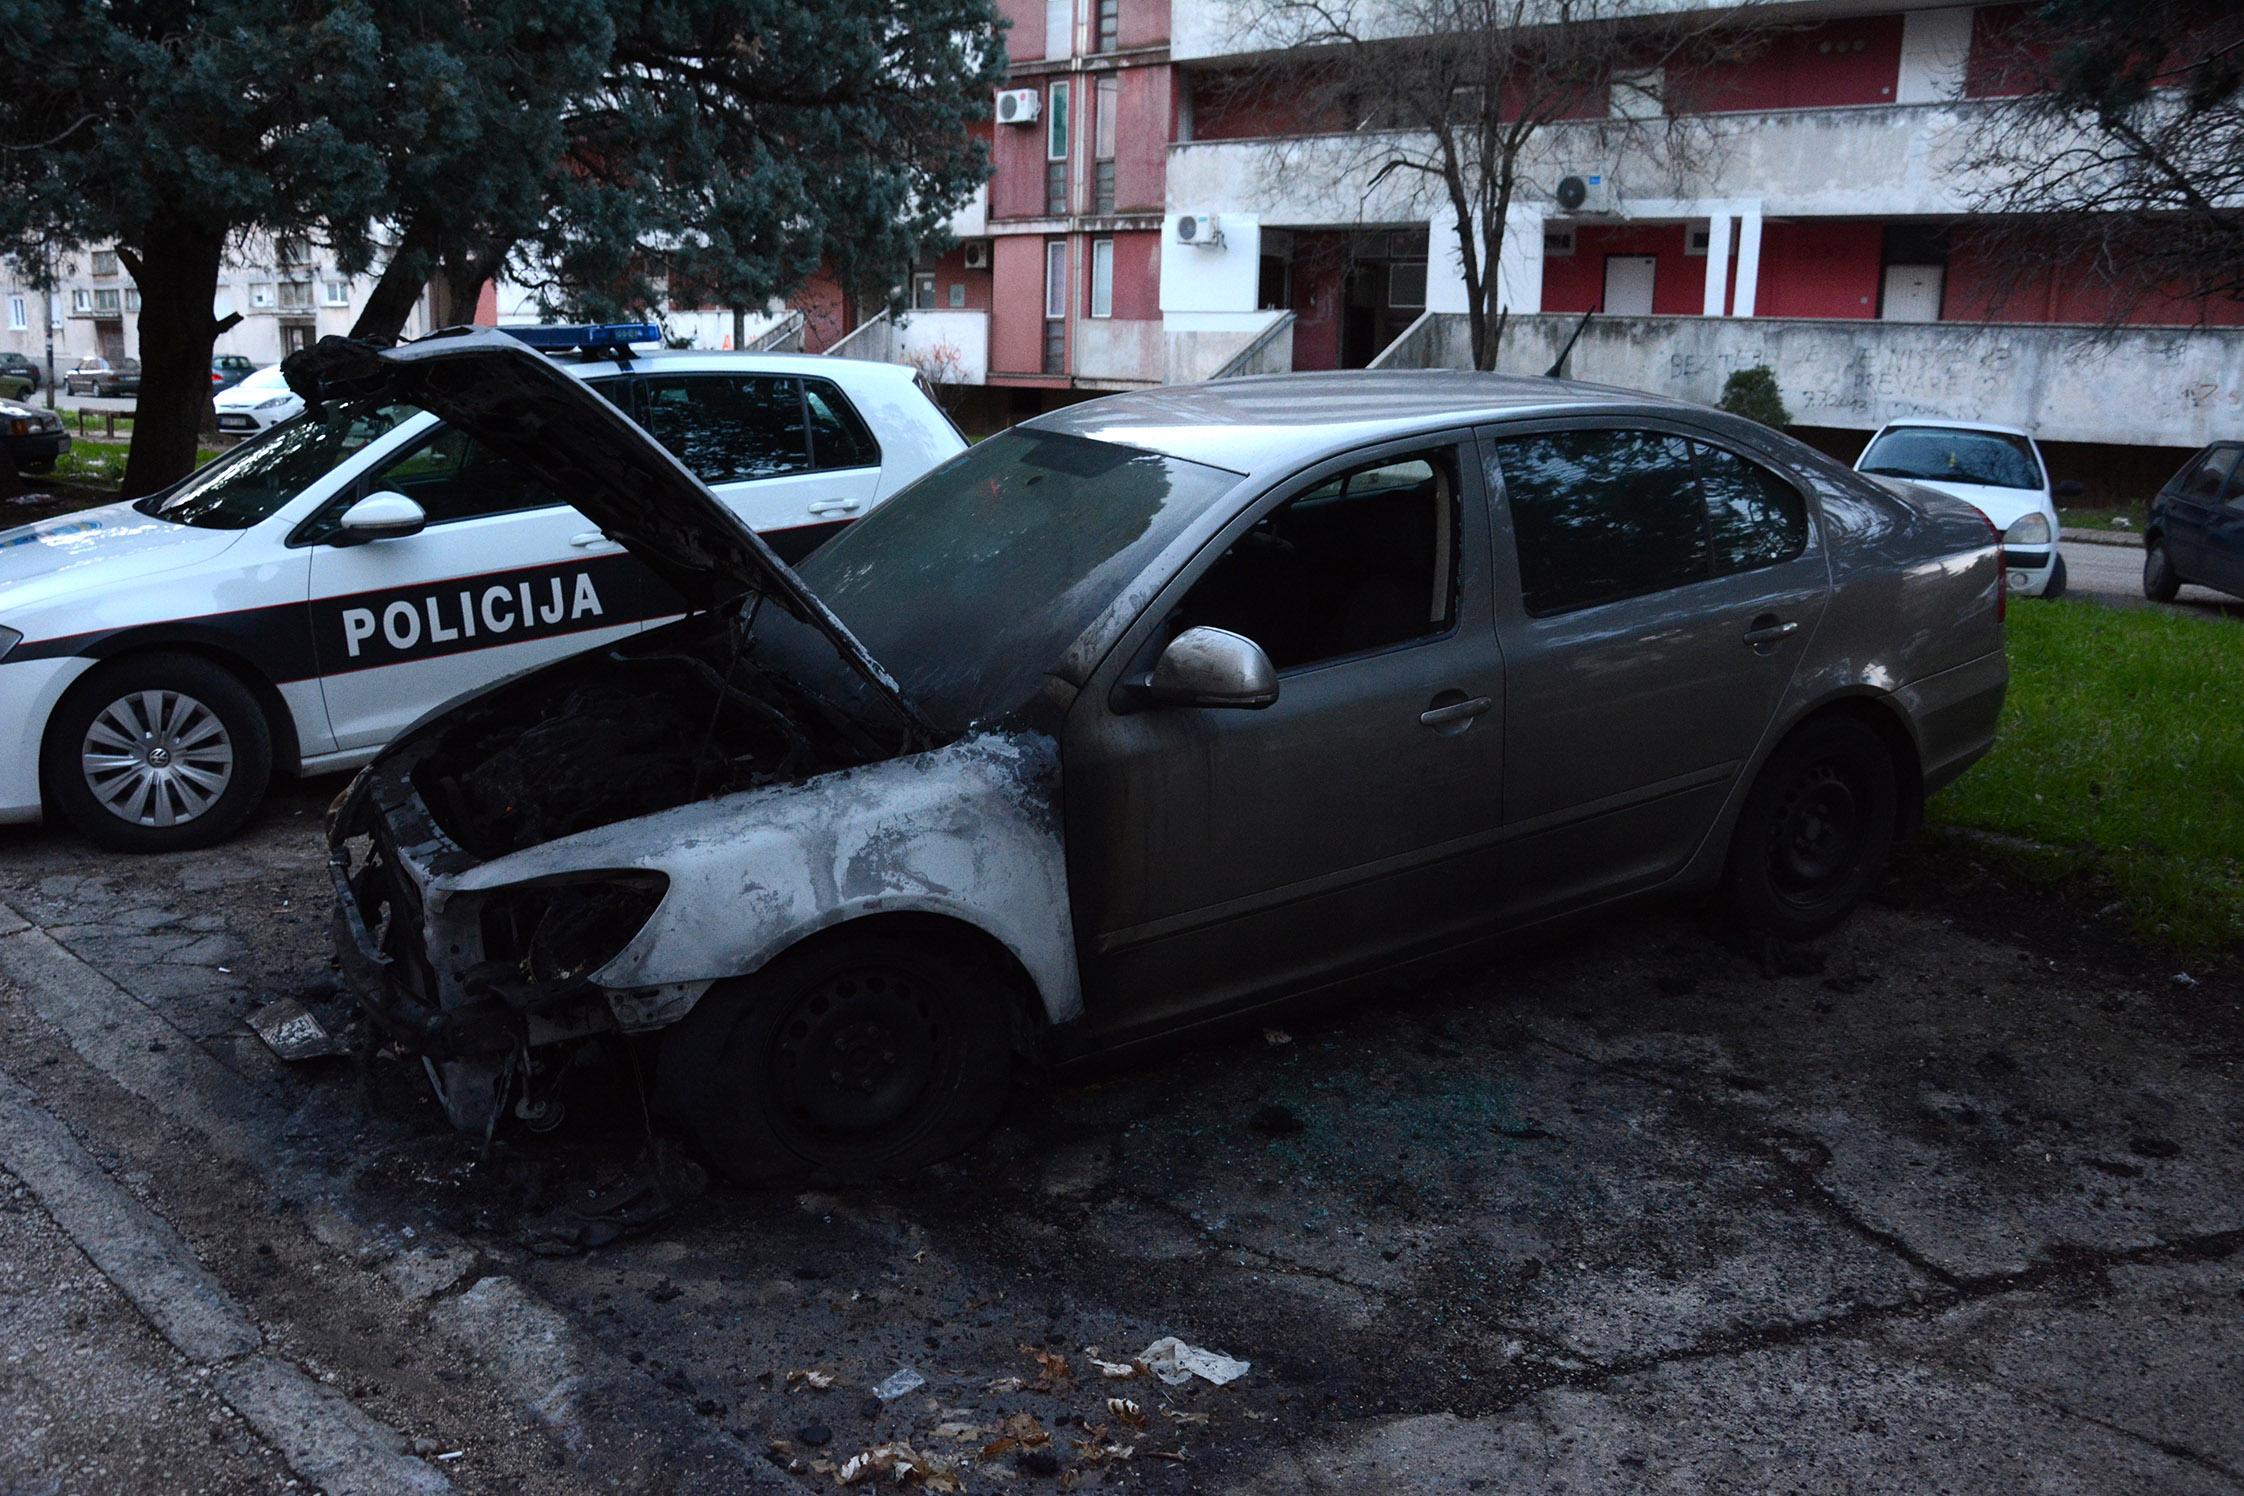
(688, 360)
(1256, 424)
(1988, 426)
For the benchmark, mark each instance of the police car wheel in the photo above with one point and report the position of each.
(157, 754)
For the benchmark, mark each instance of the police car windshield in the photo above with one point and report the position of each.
(249, 483)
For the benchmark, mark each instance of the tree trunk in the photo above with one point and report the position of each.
(403, 279)
(176, 270)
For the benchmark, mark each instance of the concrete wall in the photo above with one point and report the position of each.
(2142, 387)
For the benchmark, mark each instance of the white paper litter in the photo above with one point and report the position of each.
(1176, 1363)
(904, 1382)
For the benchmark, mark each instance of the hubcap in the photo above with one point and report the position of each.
(858, 1050)
(157, 758)
(1817, 834)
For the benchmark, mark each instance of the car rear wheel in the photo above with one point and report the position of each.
(157, 754)
(1816, 829)
(2161, 583)
(858, 1058)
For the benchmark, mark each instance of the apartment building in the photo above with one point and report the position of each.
(1157, 215)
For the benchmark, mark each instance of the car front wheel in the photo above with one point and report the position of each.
(157, 754)
(2161, 583)
(2056, 586)
(1816, 830)
(859, 1058)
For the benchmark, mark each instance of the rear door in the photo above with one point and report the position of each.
(1219, 855)
(2224, 534)
(790, 455)
(1655, 593)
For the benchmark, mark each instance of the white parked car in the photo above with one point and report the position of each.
(261, 401)
(297, 602)
(1999, 471)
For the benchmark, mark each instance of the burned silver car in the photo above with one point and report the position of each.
(1148, 711)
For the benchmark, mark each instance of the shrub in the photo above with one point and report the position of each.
(1752, 393)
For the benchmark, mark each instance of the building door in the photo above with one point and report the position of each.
(295, 337)
(1628, 285)
(111, 336)
(1913, 293)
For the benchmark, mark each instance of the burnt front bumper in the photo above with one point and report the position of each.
(388, 989)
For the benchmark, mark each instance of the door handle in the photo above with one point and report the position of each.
(1767, 630)
(1455, 712)
(589, 539)
(834, 506)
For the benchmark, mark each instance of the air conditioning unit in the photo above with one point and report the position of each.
(977, 254)
(1200, 230)
(1586, 192)
(1019, 106)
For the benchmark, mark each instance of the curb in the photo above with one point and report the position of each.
(2128, 538)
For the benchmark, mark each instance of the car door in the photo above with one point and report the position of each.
(1216, 856)
(2224, 535)
(2193, 503)
(503, 578)
(788, 454)
(1656, 590)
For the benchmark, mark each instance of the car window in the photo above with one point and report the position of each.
(454, 477)
(2209, 477)
(1753, 517)
(1601, 515)
(838, 439)
(256, 478)
(1936, 454)
(1361, 562)
(730, 428)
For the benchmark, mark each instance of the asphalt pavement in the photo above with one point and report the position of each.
(2112, 572)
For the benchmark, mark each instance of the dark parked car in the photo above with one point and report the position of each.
(34, 438)
(95, 375)
(1145, 712)
(228, 370)
(2196, 527)
(19, 366)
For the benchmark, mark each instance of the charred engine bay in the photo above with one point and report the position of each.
(676, 716)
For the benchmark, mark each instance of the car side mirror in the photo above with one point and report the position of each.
(2071, 488)
(1209, 667)
(380, 516)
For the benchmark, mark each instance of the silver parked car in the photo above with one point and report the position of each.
(1151, 710)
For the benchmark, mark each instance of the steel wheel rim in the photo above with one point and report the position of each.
(858, 1051)
(1816, 838)
(157, 758)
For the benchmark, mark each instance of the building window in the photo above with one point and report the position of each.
(1110, 25)
(292, 251)
(1406, 283)
(1698, 241)
(1106, 99)
(1059, 29)
(1055, 150)
(296, 295)
(1102, 277)
(19, 314)
(923, 291)
(261, 294)
(1558, 243)
(335, 293)
(1055, 306)
(105, 262)
(1640, 95)
(132, 300)
(107, 302)
(958, 294)
(81, 300)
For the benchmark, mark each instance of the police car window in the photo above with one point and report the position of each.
(255, 479)
(453, 477)
(838, 439)
(730, 428)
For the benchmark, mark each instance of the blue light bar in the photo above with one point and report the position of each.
(571, 337)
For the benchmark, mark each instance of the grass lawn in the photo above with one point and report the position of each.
(2122, 752)
(2127, 518)
(104, 462)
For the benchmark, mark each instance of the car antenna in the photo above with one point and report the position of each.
(1559, 363)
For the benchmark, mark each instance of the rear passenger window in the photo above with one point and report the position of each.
(1361, 562)
(1754, 518)
(730, 428)
(838, 439)
(1601, 515)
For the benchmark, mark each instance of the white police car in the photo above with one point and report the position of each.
(301, 599)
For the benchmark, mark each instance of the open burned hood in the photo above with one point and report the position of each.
(515, 401)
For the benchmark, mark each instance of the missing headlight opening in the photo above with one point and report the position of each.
(553, 937)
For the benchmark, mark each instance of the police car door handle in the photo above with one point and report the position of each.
(834, 506)
(590, 540)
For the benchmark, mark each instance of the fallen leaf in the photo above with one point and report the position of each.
(1118, 1370)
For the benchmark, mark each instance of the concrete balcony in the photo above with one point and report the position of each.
(2151, 386)
(1117, 353)
(948, 346)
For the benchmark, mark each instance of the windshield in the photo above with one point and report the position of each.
(267, 381)
(971, 584)
(1988, 459)
(249, 483)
